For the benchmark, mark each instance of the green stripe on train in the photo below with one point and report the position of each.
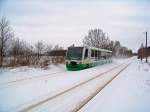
(77, 67)
(87, 65)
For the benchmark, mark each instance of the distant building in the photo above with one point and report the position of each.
(142, 52)
(58, 53)
(58, 56)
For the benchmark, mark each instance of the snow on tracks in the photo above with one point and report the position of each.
(77, 96)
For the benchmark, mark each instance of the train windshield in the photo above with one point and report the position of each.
(75, 53)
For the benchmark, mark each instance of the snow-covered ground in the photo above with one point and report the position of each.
(18, 73)
(74, 99)
(26, 92)
(129, 92)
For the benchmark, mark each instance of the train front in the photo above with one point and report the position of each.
(74, 58)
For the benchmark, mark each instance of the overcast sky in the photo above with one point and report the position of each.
(66, 22)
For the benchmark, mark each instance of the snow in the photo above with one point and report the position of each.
(74, 99)
(12, 74)
(129, 92)
(24, 93)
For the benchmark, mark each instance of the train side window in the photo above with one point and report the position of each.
(99, 54)
(86, 53)
(92, 53)
(96, 55)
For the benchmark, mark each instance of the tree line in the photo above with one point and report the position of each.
(97, 38)
(17, 52)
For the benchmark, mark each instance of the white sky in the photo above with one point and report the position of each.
(66, 22)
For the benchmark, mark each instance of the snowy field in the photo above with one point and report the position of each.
(74, 99)
(129, 92)
(25, 92)
(11, 74)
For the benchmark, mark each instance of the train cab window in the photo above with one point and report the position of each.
(86, 53)
(75, 53)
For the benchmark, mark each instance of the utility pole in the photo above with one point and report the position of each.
(146, 46)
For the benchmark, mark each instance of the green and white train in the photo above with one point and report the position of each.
(78, 58)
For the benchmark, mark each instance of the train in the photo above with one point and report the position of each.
(78, 58)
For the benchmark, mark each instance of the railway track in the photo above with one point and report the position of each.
(12, 82)
(29, 78)
(40, 105)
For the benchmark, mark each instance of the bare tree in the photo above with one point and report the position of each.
(57, 47)
(5, 35)
(16, 51)
(28, 53)
(96, 38)
(48, 49)
(117, 48)
(22, 52)
(39, 48)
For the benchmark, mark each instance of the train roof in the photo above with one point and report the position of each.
(99, 49)
(94, 48)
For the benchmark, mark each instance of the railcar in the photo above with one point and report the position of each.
(78, 58)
